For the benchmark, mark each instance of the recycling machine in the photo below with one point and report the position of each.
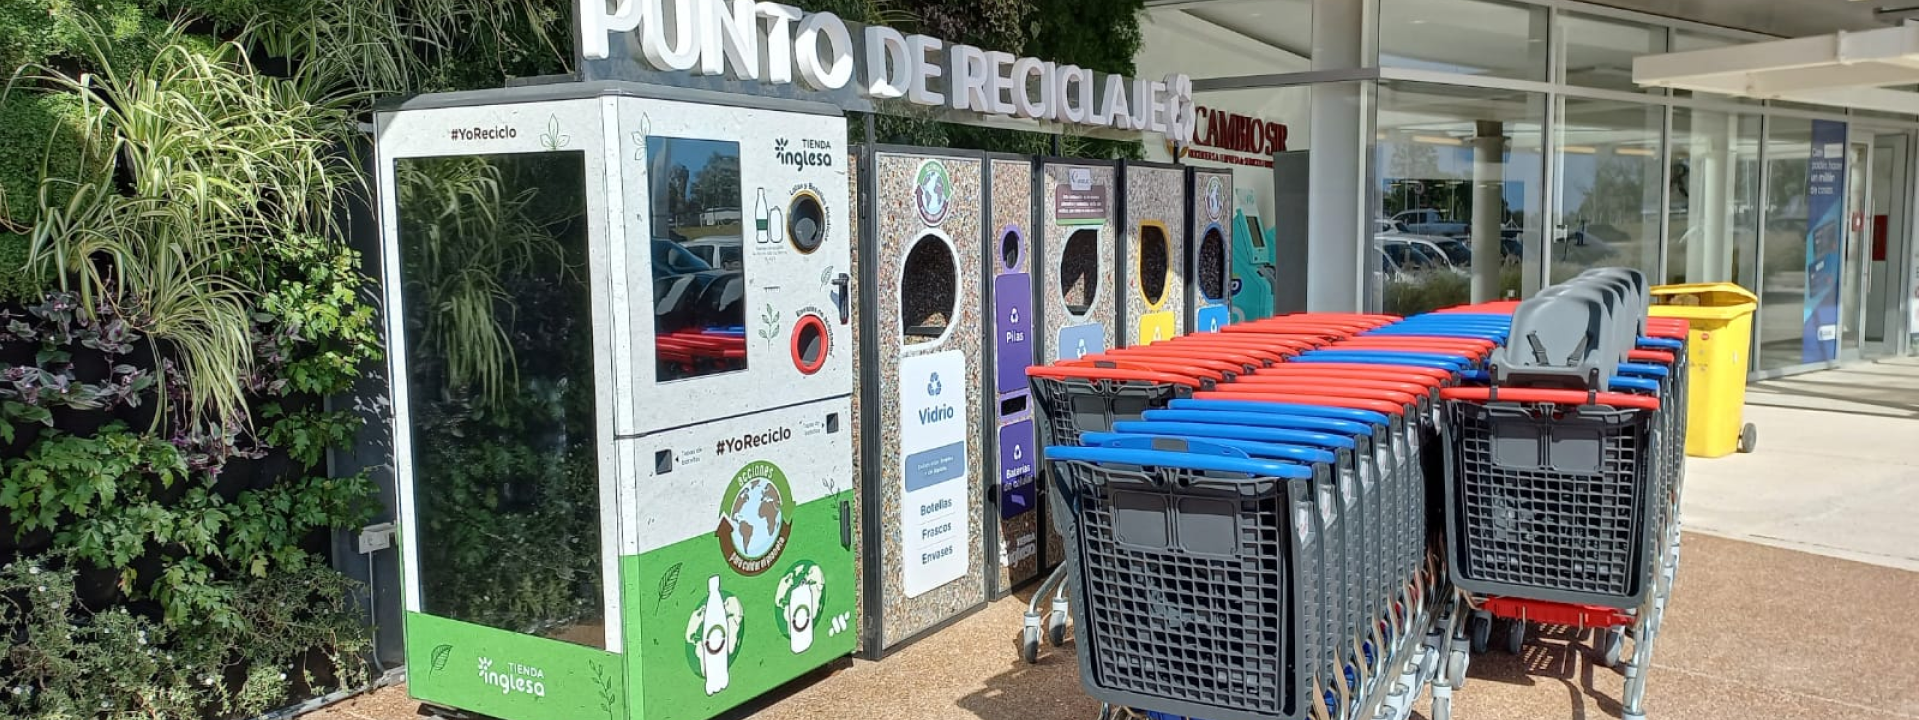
(1208, 295)
(1153, 243)
(922, 383)
(622, 387)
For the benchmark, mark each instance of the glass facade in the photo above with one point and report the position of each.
(1460, 176)
(1467, 37)
(1512, 129)
(1712, 217)
(1780, 325)
(1609, 183)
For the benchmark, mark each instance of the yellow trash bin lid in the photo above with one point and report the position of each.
(1706, 301)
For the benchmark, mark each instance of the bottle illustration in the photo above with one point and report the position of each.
(761, 222)
(715, 640)
(801, 595)
(799, 617)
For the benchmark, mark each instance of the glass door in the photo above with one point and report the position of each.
(1854, 280)
(1888, 231)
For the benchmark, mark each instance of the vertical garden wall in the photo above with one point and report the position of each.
(190, 345)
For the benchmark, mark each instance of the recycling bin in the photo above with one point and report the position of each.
(1718, 349)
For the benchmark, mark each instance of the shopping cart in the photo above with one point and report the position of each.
(1562, 473)
(1184, 563)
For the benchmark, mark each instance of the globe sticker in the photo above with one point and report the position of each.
(933, 192)
(755, 518)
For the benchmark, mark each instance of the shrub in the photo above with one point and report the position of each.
(42, 135)
(299, 634)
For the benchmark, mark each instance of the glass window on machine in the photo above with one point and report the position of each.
(499, 353)
(699, 226)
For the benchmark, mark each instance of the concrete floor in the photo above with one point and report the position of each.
(1796, 598)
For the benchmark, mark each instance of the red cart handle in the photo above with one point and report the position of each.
(1198, 373)
(1097, 372)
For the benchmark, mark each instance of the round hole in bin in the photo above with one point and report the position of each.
(810, 344)
(1212, 264)
(929, 290)
(806, 222)
(1079, 271)
(1009, 248)
(1155, 259)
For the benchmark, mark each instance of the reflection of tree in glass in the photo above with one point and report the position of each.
(466, 229)
(717, 187)
(1617, 194)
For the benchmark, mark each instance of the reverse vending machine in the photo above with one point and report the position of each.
(1076, 261)
(1153, 253)
(1012, 328)
(1255, 264)
(1208, 293)
(922, 376)
(623, 432)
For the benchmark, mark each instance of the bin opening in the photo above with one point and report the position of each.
(929, 286)
(1155, 262)
(1212, 264)
(1079, 271)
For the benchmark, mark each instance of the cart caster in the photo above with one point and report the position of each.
(1480, 629)
(1056, 628)
(1748, 439)
(1442, 709)
(1615, 647)
(1029, 645)
(1456, 669)
(1515, 636)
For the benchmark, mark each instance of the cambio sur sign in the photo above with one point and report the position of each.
(726, 37)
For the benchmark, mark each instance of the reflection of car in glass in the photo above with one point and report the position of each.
(725, 253)
(1413, 255)
(670, 259)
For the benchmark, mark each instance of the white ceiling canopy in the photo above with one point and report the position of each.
(1844, 69)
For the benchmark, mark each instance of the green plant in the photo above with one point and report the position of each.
(70, 661)
(84, 477)
(217, 157)
(42, 135)
(317, 327)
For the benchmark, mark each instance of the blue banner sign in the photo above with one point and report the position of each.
(1825, 239)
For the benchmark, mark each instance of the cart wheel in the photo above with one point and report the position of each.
(1456, 670)
(1515, 636)
(1481, 630)
(1748, 439)
(1615, 647)
(1442, 709)
(1029, 645)
(1056, 628)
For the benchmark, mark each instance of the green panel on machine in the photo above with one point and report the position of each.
(507, 674)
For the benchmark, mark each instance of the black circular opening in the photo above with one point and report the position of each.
(1212, 265)
(806, 222)
(929, 290)
(1079, 271)
(1155, 257)
(809, 345)
(1009, 249)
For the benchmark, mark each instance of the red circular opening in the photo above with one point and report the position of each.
(810, 344)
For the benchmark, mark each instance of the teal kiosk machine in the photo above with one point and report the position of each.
(625, 471)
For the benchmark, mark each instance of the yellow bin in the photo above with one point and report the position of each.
(1719, 349)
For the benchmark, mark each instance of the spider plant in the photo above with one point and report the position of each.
(212, 158)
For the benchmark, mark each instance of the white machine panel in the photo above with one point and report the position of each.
(738, 258)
